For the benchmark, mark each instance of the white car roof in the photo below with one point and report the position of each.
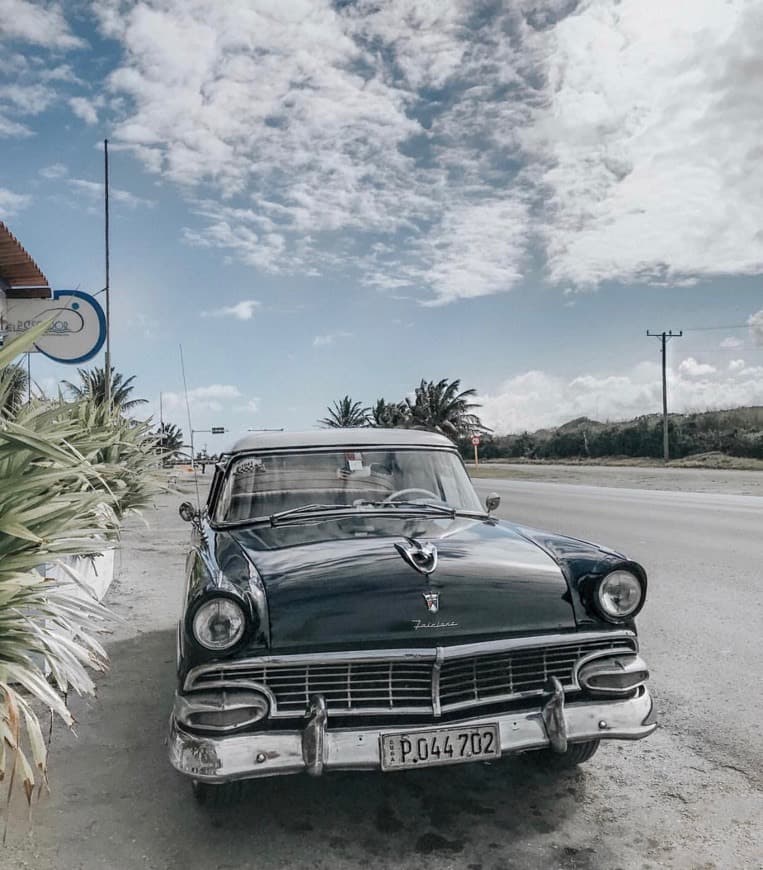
(365, 437)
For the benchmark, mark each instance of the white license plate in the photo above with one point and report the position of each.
(439, 746)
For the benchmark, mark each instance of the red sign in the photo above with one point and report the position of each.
(475, 440)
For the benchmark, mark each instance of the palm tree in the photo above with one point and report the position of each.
(93, 386)
(13, 386)
(169, 439)
(442, 407)
(388, 415)
(345, 413)
(69, 472)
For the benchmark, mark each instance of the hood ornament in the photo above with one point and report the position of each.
(421, 556)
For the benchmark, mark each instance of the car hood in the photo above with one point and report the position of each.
(354, 592)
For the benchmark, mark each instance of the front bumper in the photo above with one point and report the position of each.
(318, 747)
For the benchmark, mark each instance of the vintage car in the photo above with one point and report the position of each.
(351, 605)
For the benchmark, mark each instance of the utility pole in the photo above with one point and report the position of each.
(107, 364)
(665, 337)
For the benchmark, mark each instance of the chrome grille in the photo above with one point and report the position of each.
(414, 682)
(485, 679)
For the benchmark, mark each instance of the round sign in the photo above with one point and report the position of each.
(475, 440)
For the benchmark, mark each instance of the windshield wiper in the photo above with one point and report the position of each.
(444, 509)
(307, 508)
(306, 512)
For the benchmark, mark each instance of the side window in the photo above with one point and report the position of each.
(213, 490)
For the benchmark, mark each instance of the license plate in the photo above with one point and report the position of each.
(439, 746)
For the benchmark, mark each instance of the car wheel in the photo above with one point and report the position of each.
(576, 754)
(218, 796)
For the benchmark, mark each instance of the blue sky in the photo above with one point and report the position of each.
(322, 198)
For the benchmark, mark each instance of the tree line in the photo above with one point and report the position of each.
(737, 432)
(439, 406)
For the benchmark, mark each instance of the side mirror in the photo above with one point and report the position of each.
(187, 512)
(492, 502)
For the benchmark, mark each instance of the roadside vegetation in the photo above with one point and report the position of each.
(718, 439)
(703, 438)
(70, 470)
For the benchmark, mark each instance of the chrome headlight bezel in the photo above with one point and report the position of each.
(603, 604)
(231, 604)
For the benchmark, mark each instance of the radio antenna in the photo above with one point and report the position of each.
(190, 429)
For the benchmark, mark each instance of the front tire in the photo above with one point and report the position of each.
(577, 753)
(217, 796)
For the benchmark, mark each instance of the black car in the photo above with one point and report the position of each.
(350, 604)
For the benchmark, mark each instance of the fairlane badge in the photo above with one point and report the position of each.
(417, 624)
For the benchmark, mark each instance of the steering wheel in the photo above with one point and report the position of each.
(395, 495)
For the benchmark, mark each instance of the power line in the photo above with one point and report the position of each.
(710, 328)
(665, 337)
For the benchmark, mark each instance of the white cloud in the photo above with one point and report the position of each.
(731, 343)
(648, 142)
(84, 109)
(736, 365)
(755, 322)
(621, 140)
(210, 398)
(243, 310)
(54, 171)
(38, 23)
(93, 190)
(329, 339)
(476, 250)
(28, 99)
(250, 407)
(11, 202)
(694, 369)
(13, 129)
(537, 399)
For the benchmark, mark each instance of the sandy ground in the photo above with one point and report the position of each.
(677, 800)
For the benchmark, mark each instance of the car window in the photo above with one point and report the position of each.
(260, 485)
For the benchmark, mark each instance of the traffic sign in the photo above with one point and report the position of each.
(475, 440)
(218, 430)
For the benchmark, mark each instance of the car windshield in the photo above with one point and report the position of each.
(261, 485)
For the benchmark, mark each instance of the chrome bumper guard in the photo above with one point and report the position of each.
(317, 748)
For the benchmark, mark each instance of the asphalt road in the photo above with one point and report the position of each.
(688, 797)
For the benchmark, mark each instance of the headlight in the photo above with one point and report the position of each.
(619, 594)
(219, 624)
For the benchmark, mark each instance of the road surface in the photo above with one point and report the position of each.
(688, 797)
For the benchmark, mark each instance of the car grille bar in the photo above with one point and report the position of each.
(406, 682)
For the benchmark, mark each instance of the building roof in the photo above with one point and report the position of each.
(342, 438)
(20, 276)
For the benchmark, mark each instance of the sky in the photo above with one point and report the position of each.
(322, 198)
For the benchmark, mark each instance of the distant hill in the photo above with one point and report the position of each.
(733, 432)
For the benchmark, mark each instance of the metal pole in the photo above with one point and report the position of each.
(665, 441)
(664, 336)
(476, 456)
(107, 289)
